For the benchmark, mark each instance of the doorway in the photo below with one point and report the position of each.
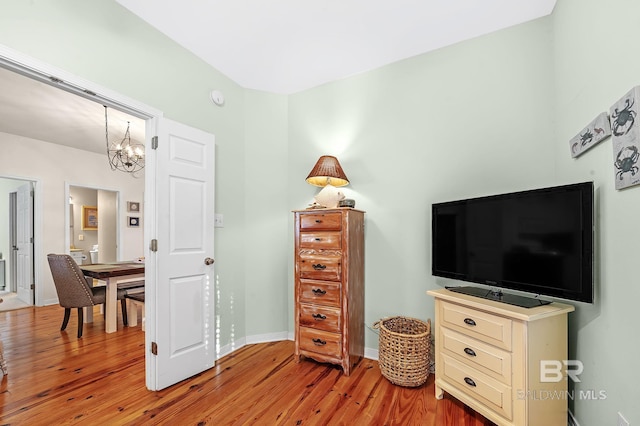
(95, 244)
(16, 243)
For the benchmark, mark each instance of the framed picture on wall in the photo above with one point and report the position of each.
(89, 218)
(133, 206)
(133, 222)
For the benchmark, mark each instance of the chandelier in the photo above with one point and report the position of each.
(126, 156)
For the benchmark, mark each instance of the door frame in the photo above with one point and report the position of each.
(30, 67)
(37, 233)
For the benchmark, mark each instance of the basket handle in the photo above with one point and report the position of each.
(376, 325)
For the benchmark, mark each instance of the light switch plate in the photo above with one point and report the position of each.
(218, 221)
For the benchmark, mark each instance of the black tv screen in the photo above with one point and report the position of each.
(538, 241)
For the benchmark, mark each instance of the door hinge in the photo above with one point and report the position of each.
(33, 286)
(154, 348)
(154, 142)
(154, 245)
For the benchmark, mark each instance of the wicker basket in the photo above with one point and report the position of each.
(404, 350)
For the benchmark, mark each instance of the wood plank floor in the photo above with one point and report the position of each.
(55, 379)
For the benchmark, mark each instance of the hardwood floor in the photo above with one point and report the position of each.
(55, 378)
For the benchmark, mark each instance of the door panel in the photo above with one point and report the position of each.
(184, 314)
(24, 222)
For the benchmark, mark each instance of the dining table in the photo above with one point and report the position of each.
(113, 274)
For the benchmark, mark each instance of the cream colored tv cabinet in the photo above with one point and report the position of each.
(488, 355)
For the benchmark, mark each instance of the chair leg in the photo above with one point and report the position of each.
(125, 320)
(80, 319)
(65, 320)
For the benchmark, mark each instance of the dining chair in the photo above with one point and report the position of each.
(74, 290)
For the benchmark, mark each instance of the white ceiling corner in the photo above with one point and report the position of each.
(285, 46)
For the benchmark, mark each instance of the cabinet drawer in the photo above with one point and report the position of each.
(489, 392)
(321, 221)
(320, 267)
(321, 240)
(486, 358)
(480, 325)
(321, 342)
(320, 317)
(320, 292)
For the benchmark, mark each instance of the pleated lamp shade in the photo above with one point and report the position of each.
(327, 171)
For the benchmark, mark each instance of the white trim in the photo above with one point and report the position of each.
(572, 419)
(269, 337)
(56, 77)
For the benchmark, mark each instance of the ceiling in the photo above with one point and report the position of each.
(285, 46)
(40, 111)
(279, 46)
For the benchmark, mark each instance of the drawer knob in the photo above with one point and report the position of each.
(319, 342)
(319, 317)
(469, 321)
(318, 239)
(469, 381)
(319, 266)
(318, 221)
(469, 352)
(319, 291)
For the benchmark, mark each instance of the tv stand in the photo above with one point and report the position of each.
(489, 356)
(499, 296)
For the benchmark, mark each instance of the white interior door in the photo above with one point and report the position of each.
(183, 330)
(24, 225)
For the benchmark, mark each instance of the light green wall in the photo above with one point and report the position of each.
(595, 64)
(469, 120)
(266, 238)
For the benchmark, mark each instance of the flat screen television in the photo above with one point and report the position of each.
(538, 241)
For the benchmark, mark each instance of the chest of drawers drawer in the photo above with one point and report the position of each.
(494, 362)
(321, 240)
(320, 317)
(320, 342)
(320, 265)
(331, 221)
(325, 293)
(483, 326)
(492, 393)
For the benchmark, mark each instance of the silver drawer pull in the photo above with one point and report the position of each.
(319, 342)
(319, 317)
(469, 321)
(470, 382)
(469, 352)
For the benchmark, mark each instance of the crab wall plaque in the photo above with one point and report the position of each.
(595, 132)
(626, 139)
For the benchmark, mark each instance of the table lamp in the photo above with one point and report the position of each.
(328, 173)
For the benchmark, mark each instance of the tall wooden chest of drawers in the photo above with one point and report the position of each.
(489, 356)
(329, 286)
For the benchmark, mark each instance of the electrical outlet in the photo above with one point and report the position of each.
(218, 221)
(80, 237)
(621, 420)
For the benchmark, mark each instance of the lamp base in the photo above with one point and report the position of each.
(329, 197)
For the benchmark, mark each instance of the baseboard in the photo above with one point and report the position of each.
(274, 337)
